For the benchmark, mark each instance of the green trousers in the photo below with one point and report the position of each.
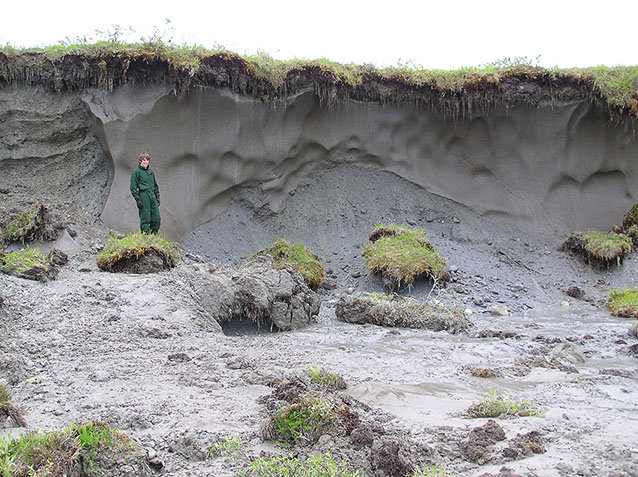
(149, 213)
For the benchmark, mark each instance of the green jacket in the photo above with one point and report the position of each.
(143, 180)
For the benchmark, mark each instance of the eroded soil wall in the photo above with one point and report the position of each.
(556, 167)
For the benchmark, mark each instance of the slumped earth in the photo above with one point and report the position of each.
(137, 351)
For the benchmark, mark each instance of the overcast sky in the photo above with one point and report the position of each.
(436, 35)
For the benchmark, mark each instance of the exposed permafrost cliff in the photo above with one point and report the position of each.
(553, 167)
(557, 166)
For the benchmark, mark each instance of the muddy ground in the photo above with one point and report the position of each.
(135, 350)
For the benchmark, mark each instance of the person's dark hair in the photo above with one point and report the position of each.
(144, 155)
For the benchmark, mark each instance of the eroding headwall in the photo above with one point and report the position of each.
(556, 167)
(48, 151)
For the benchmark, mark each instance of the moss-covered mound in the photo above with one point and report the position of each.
(108, 64)
(90, 450)
(624, 302)
(395, 310)
(29, 263)
(299, 258)
(138, 253)
(602, 250)
(401, 255)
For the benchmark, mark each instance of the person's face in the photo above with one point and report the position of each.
(144, 163)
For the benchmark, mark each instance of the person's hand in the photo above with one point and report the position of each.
(139, 203)
(158, 199)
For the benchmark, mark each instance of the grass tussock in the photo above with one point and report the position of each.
(497, 406)
(624, 303)
(402, 255)
(326, 378)
(302, 422)
(299, 258)
(89, 446)
(133, 247)
(27, 226)
(603, 250)
(22, 262)
(111, 62)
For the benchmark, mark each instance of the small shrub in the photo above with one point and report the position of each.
(598, 248)
(299, 258)
(136, 245)
(302, 422)
(324, 378)
(496, 406)
(403, 255)
(322, 465)
(624, 302)
(27, 226)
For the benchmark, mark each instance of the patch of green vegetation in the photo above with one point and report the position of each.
(21, 261)
(631, 218)
(109, 62)
(227, 447)
(624, 302)
(57, 452)
(429, 471)
(403, 255)
(7, 410)
(599, 248)
(302, 422)
(322, 465)
(327, 379)
(134, 246)
(299, 258)
(26, 226)
(504, 405)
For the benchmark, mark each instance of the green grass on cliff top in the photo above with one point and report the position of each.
(617, 86)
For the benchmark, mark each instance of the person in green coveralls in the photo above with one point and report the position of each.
(145, 190)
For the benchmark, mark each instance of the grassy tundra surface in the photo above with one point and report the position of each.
(107, 64)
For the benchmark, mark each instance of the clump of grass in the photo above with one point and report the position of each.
(599, 248)
(57, 452)
(402, 255)
(631, 218)
(26, 226)
(132, 247)
(22, 262)
(8, 412)
(302, 422)
(299, 258)
(325, 378)
(395, 310)
(429, 471)
(322, 465)
(623, 302)
(504, 405)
